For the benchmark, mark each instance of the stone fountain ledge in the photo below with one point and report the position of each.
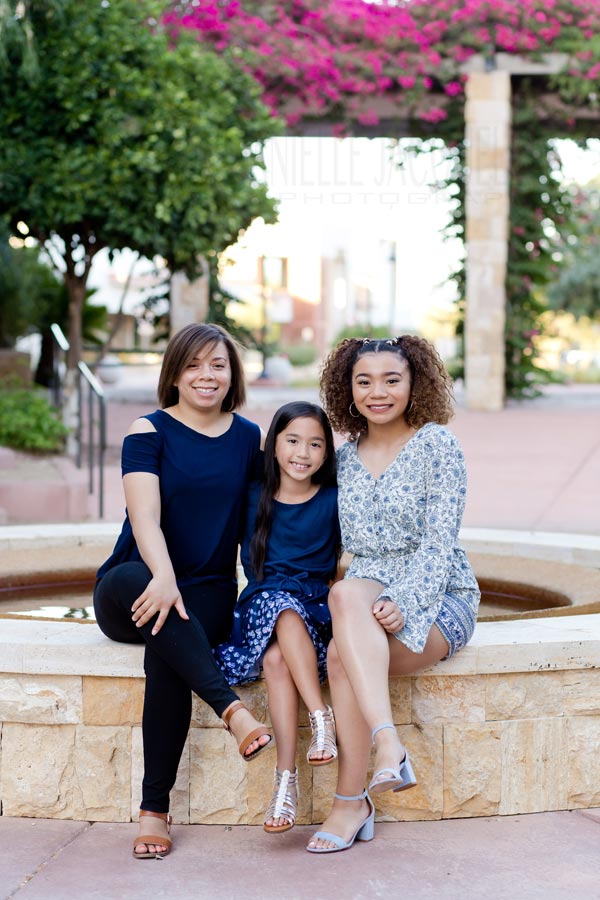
(511, 725)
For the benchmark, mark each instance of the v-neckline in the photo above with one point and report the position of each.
(392, 462)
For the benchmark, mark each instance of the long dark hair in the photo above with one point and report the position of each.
(326, 475)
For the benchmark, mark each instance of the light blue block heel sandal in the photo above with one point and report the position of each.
(388, 779)
(408, 776)
(364, 832)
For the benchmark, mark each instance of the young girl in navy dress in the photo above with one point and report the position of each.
(289, 553)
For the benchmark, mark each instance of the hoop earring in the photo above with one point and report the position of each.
(409, 407)
(355, 415)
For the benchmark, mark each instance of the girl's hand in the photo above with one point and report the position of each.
(388, 615)
(158, 597)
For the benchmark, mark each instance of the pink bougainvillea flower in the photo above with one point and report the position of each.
(324, 52)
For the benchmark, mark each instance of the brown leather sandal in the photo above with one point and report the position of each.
(259, 731)
(155, 839)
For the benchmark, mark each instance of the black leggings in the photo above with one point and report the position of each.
(177, 660)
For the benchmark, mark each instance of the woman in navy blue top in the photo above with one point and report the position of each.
(171, 579)
(282, 621)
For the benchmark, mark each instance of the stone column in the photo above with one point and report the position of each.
(488, 124)
(188, 301)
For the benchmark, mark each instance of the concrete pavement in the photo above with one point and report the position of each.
(548, 856)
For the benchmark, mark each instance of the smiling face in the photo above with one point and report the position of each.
(205, 379)
(381, 387)
(300, 449)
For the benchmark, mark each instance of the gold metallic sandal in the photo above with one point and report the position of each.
(284, 801)
(322, 726)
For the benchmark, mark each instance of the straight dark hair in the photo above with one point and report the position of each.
(183, 347)
(326, 475)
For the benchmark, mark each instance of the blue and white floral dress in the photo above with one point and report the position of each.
(300, 562)
(403, 531)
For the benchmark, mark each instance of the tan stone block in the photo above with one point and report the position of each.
(40, 699)
(496, 156)
(489, 117)
(324, 781)
(137, 771)
(425, 746)
(488, 85)
(203, 716)
(472, 770)
(254, 695)
(218, 779)
(534, 766)
(581, 692)
(180, 795)
(484, 255)
(400, 697)
(103, 772)
(38, 772)
(583, 739)
(456, 699)
(113, 701)
(528, 696)
(486, 229)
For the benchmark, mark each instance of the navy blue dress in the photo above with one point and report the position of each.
(300, 562)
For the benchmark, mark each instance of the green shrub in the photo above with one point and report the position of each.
(301, 354)
(362, 331)
(27, 421)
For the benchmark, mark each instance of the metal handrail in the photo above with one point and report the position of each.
(95, 390)
(62, 344)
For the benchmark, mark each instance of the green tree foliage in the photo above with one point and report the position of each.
(116, 138)
(540, 213)
(20, 278)
(577, 288)
(32, 297)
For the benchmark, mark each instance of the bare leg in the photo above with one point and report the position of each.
(283, 706)
(346, 816)
(283, 709)
(354, 741)
(300, 655)
(364, 650)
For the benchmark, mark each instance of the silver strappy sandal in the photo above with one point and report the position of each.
(284, 801)
(322, 726)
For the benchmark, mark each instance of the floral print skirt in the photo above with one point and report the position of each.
(254, 628)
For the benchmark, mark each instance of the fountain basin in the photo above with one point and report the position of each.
(511, 725)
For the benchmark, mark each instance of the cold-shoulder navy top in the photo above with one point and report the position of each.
(203, 483)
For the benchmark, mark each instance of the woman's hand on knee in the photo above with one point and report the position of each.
(158, 599)
(388, 615)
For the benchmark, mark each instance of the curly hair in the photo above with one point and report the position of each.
(431, 394)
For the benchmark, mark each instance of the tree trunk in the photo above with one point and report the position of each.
(45, 374)
(76, 288)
